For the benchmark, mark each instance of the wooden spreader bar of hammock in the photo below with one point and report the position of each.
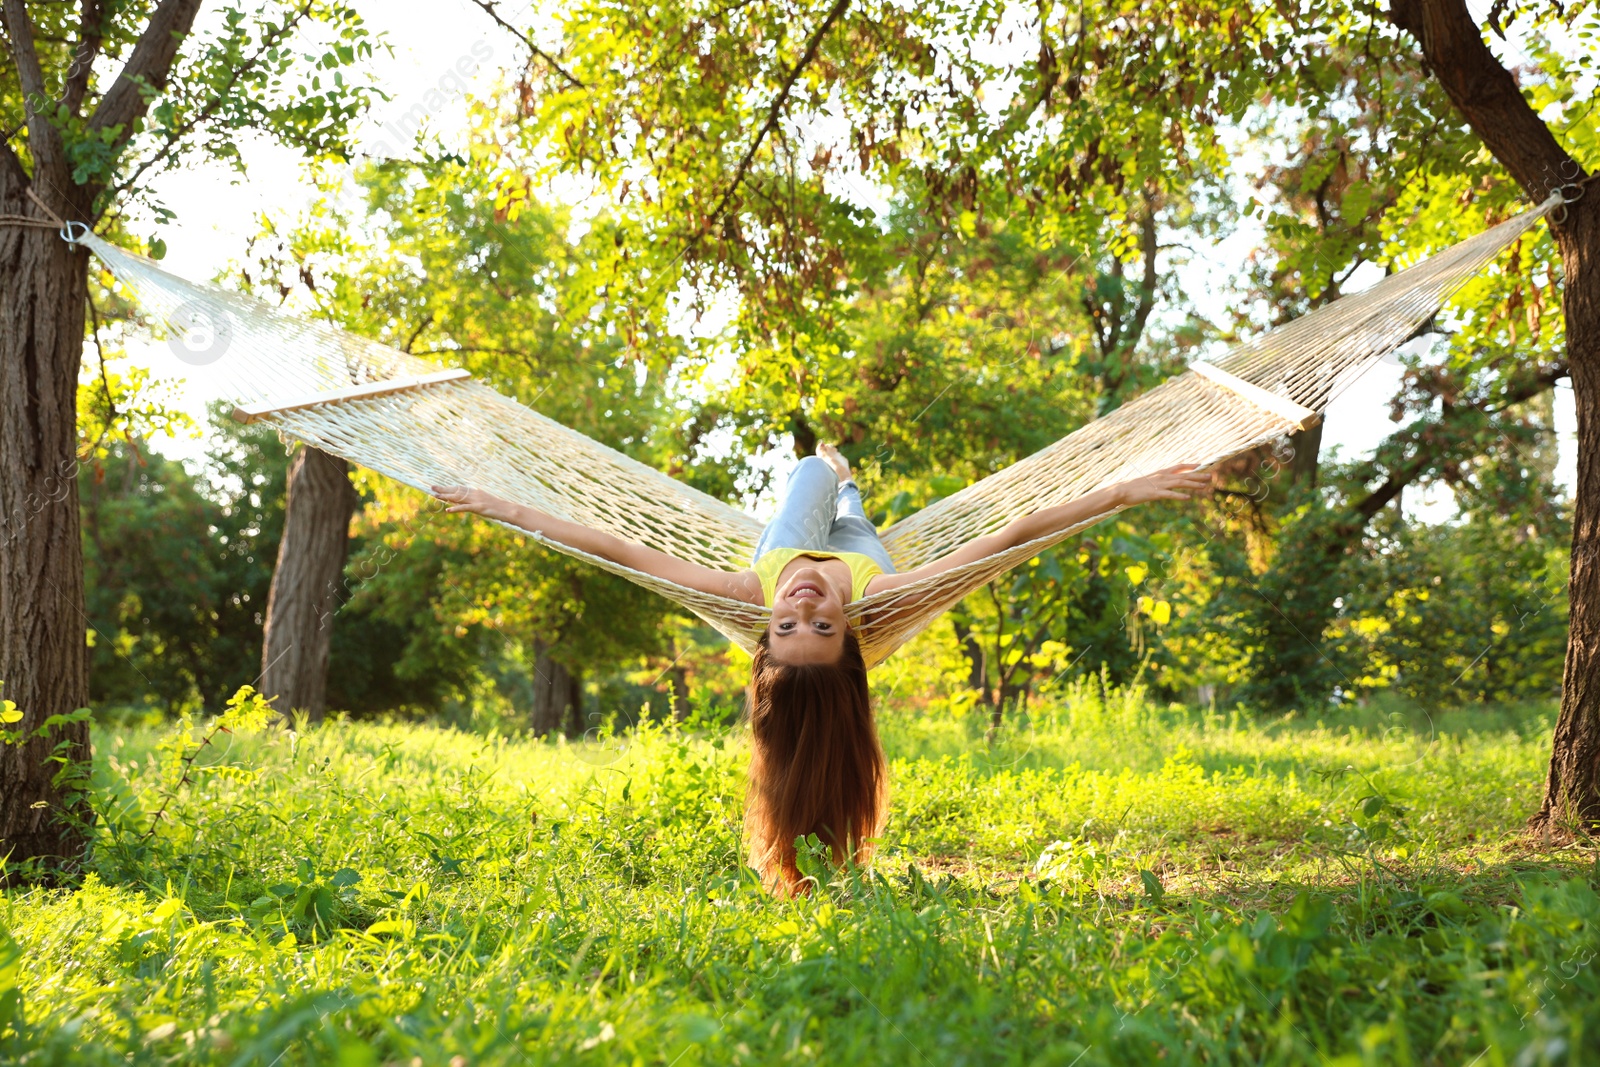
(268, 408)
(1282, 406)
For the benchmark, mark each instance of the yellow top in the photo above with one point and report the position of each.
(771, 564)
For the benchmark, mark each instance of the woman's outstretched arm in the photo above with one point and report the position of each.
(736, 585)
(1174, 483)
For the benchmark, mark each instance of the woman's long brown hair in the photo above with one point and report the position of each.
(816, 766)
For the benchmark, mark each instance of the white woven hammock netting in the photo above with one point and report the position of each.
(461, 432)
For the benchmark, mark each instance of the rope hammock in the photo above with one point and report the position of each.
(424, 426)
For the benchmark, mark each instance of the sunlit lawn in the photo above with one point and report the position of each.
(1110, 883)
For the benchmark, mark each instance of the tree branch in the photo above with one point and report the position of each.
(268, 43)
(1486, 94)
(1116, 331)
(44, 140)
(1147, 286)
(773, 112)
(19, 29)
(1521, 389)
(489, 9)
(149, 65)
(427, 320)
(91, 35)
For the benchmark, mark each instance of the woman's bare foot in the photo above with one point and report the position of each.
(840, 465)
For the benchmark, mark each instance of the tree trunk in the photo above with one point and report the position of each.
(1572, 788)
(977, 662)
(679, 677)
(805, 437)
(572, 702)
(557, 695)
(305, 583)
(1488, 97)
(43, 656)
(1307, 445)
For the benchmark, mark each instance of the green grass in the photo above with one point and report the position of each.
(1112, 883)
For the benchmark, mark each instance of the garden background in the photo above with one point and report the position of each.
(1242, 780)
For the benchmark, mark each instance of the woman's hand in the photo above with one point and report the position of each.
(1174, 483)
(476, 501)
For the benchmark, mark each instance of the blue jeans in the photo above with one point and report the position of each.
(820, 515)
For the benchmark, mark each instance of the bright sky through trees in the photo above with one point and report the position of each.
(435, 45)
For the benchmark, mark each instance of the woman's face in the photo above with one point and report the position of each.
(808, 623)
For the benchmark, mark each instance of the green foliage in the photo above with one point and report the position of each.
(292, 72)
(176, 754)
(248, 712)
(1475, 611)
(444, 265)
(12, 1021)
(129, 407)
(1013, 280)
(311, 900)
(150, 589)
(1124, 883)
(1008, 282)
(178, 567)
(1342, 609)
(390, 650)
(10, 715)
(1278, 617)
(737, 136)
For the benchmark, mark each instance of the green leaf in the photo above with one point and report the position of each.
(10, 978)
(80, 715)
(403, 929)
(1355, 202)
(1152, 886)
(247, 712)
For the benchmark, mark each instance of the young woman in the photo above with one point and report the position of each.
(816, 765)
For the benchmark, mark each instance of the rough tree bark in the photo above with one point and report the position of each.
(1487, 96)
(1572, 788)
(43, 662)
(43, 289)
(305, 583)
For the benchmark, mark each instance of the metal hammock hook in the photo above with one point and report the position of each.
(66, 232)
(1570, 193)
